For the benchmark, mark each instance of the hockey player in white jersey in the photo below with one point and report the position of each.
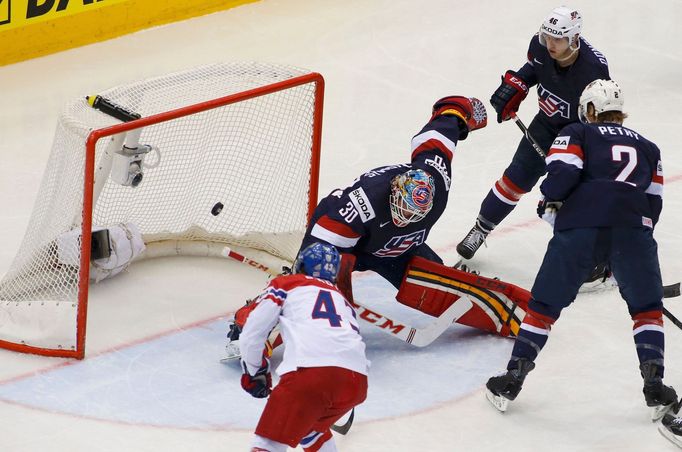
(323, 373)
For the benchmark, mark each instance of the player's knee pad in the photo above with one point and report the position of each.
(431, 288)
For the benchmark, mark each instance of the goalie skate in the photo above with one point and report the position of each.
(671, 429)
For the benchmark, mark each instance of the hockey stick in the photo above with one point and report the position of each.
(672, 318)
(528, 136)
(671, 290)
(343, 429)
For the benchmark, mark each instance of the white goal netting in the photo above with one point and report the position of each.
(252, 156)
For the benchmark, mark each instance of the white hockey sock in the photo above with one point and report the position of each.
(260, 443)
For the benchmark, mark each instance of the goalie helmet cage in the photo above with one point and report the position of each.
(244, 135)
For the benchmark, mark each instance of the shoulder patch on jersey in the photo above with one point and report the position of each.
(561, 142)
(361, 203)
(439, 164)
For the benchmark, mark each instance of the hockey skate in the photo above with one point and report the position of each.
(600, 279)
(472, 242)
(232, 348)
(661, 398)
(504, 388)
(671, 429)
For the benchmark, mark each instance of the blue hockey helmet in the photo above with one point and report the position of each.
(319, 260)
(411, 197)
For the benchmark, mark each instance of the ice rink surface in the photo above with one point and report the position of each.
(151, 380)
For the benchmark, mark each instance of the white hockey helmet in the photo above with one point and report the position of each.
(604, 95)
(562, 22)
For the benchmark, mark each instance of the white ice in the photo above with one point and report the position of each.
(152, 381)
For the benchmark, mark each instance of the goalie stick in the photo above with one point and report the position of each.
(419, 337)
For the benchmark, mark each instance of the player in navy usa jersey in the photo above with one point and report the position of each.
(603, 195)
(561, 63)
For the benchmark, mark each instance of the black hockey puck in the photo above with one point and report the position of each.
(217, 209)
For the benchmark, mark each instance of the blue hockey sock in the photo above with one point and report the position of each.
(532, 337)
(649, 338)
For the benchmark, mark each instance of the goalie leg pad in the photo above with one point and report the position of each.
(429, 287)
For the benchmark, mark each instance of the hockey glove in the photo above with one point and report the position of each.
(547, 210)
(507, 98)
(469, 111)
(260, 384)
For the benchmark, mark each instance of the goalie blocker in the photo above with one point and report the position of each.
(431, 288)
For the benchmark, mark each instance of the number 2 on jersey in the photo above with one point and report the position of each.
(617, 153)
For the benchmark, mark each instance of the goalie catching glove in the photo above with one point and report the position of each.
(508, 96)
(469, 111)
(547, 210)
(258, 385)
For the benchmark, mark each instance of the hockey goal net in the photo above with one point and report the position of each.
(227, 155)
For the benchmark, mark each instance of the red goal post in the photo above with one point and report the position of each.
(253, 150)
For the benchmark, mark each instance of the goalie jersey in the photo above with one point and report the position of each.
(606, 174)
(357, 219)
(318, 326)
(559, 88)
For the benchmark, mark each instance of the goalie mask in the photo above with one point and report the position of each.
(562, 22)
(604, 95)
(411, 197)
(318, 260)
